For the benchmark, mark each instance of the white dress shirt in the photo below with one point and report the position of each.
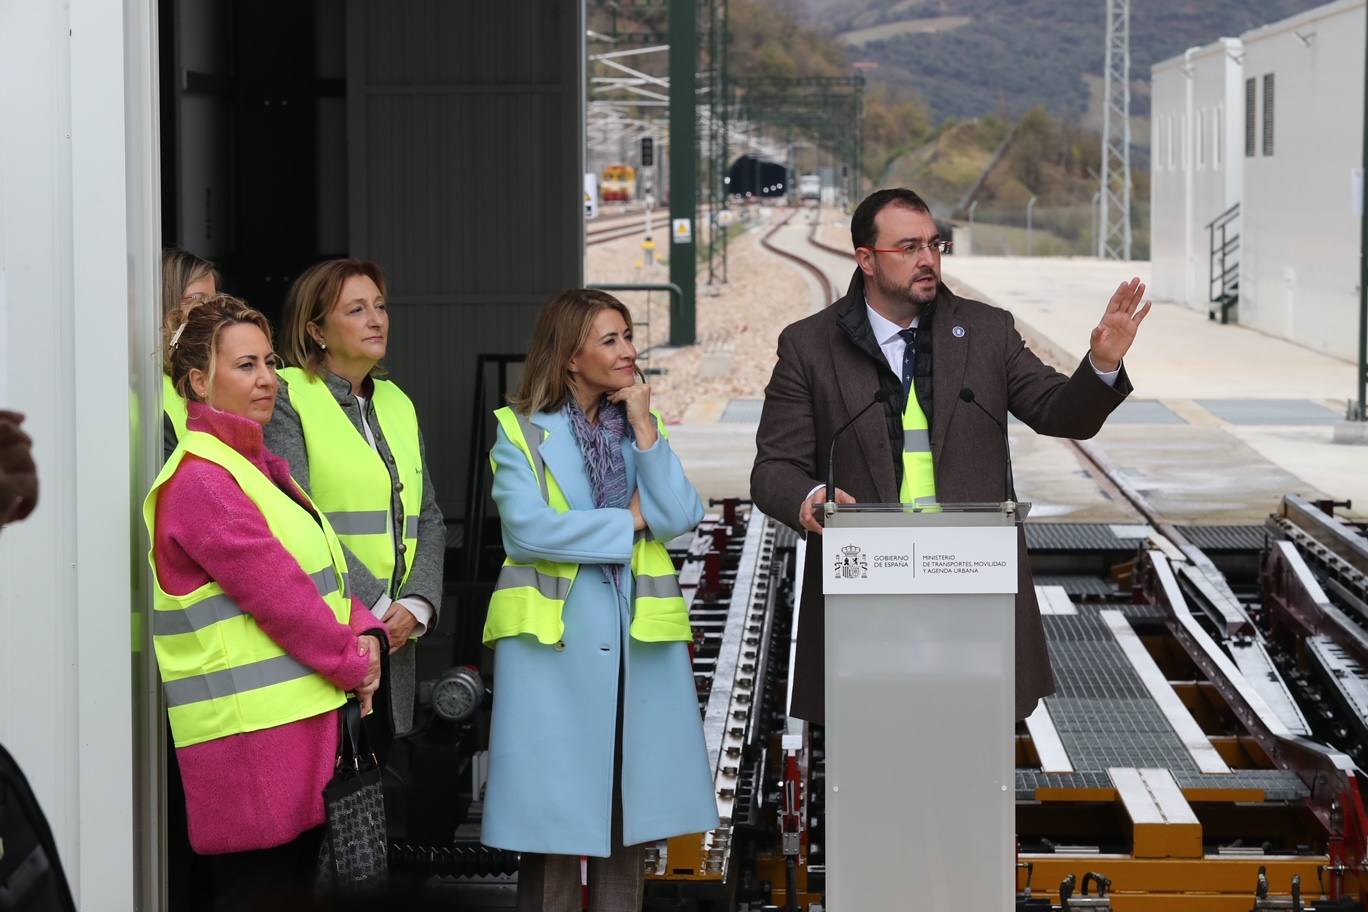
(891, 343)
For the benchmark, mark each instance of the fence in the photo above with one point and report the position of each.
(1055, 231)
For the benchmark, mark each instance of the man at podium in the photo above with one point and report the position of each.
(924, 379)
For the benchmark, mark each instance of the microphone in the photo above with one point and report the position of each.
(880, 396)
(967, 395)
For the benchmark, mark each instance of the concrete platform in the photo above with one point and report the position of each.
(1200, 476)
(1059, 485)
(717, 457)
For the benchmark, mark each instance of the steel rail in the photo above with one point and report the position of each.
(812, 268)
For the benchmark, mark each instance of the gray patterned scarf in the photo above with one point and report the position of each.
(601, 447)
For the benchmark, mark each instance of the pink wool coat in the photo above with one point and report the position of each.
(264, 788)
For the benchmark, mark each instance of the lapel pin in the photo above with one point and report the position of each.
(958, 332)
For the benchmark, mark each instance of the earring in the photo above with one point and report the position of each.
(323, 345)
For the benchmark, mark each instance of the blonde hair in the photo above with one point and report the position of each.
(312, 297)
(563, 328)
(193, 344)
(180, 268)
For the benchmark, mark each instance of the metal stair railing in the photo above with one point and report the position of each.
(475, 585)
(1223, 290)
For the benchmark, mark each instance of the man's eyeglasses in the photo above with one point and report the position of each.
(911, 250)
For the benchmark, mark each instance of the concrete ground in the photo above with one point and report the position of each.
(1223, 421)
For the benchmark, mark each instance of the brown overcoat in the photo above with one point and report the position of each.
(830, 367)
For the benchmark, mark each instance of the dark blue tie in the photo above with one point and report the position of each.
(909, 364)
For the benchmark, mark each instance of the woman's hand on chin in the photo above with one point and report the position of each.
(637, 400)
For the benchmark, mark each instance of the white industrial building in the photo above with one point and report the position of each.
(1271, 122)
(1194, 177)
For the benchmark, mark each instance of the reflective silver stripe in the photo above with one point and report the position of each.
(196, 617)
(237, 680)
(532, 436)
(916, 441)
(512, 576)
(410, 527)
(360, 522)
(221, 608)
(325, 580)
(658, 587)
(928, 501)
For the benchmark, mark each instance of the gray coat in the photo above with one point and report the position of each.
(285, 438)
(830, 367)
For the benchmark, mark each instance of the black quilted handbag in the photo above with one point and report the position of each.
(355, 851)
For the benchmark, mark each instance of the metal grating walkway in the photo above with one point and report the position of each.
(1277, 785)
(1104, 714)
(1226, 538)
(1106, 717)
(1045, 536)
(1089, 584)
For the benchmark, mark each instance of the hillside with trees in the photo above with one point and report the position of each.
(977, 127)
(974, 57)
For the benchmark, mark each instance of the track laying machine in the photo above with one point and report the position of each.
(1202, 751)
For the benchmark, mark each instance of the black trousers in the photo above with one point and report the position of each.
(278, 878)
(189, 877)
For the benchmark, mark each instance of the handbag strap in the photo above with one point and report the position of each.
(349, 749)
(355, 744)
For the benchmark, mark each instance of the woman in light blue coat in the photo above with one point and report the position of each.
(596, 743)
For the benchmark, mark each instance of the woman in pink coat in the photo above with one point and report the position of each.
(254, 795)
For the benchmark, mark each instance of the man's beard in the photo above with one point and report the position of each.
(909, 293)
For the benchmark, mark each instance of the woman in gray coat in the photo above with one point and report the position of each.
(353, 443)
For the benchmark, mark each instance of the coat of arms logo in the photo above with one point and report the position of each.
(851, 564)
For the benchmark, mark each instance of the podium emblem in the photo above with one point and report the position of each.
(851, 564)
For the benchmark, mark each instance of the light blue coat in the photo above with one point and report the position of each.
(555, 710)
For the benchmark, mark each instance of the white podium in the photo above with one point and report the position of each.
(920, 675)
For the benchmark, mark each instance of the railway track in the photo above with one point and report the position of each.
(767, 241)
(602, 231)
(822, 245)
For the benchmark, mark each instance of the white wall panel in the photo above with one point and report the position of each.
(65, 577)
(38, 643)
(1300, 236)
(1168, 240)
(98, 409)
(1194, 178)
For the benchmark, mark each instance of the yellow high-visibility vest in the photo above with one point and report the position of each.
(349, 479)
(174, 406)
(919, 472)
(222, 674)
(530, 597)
